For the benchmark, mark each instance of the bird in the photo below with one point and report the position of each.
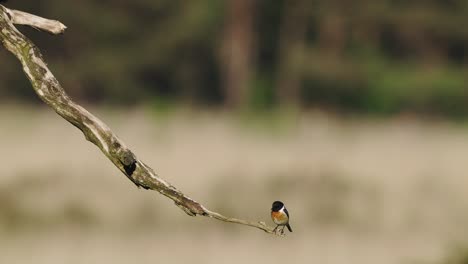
(280, 216)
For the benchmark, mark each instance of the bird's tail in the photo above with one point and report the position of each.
(289, 227)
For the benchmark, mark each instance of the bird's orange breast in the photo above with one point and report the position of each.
(279, 217)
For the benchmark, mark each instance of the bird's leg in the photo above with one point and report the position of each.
(282, 230)
(276, 229)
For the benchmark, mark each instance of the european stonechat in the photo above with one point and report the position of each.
(280, 215)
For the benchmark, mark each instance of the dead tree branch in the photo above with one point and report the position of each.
(40, 23)
(97, 132)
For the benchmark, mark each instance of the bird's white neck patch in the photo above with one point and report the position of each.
(282, 210)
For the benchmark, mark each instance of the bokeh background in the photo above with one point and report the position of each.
(354, 113)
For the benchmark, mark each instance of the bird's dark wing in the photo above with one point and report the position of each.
(286, 211)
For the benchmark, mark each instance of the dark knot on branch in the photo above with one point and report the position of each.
(129, 161)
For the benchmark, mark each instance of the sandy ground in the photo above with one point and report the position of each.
(359, 191)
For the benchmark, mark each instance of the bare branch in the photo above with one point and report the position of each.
(97, 132)
(259, 225)
(22, 18)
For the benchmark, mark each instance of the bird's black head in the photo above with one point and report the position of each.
(277, 205)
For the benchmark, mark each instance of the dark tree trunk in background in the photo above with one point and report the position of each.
(332, 35)
(291, 50)
(237, 52)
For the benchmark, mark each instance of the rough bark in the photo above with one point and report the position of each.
(97, 132)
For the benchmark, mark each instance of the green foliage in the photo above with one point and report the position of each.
(458, 256)
(262, 96)
(409, 88)
(379, 57)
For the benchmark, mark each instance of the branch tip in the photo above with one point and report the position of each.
(22, 18)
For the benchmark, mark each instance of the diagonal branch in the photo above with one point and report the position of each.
(97, 132)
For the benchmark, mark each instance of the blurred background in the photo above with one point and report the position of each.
(353, 113)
